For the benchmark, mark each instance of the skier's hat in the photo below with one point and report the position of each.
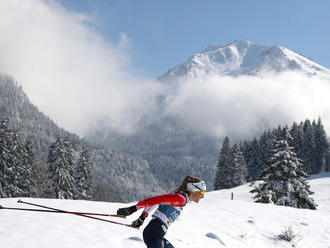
(197, 187)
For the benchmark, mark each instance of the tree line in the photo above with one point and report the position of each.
(67, 177)
(278, 156)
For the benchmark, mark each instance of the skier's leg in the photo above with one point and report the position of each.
(155, 244)
(166, 244)
(153, 234)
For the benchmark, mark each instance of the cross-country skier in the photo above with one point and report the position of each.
(168, 210)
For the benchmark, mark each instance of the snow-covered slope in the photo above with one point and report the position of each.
(243, 58)
(216, 221)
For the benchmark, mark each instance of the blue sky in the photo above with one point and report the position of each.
(164, 34)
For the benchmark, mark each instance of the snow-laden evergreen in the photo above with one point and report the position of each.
(283, 179)
(231, 167)
(16, 158)
(310, 142)
(60, 159)
(321, 145)
(222, 181)
(238, 171)
(309, 148)
(252, 155)
(4, 153)
(83, 177)
(22, 167)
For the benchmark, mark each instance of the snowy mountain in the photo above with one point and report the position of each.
(243, 58)
(216, 221)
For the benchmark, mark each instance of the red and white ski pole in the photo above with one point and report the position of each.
(82, 214)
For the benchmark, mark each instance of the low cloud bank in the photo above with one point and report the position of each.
(241, 106)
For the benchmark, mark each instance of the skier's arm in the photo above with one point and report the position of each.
(170, 199)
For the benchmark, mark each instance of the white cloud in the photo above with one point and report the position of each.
(241, 106)
(69, 71)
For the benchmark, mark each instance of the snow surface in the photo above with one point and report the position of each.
(216, 221)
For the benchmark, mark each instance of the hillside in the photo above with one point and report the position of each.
(216, 221)
(116, 174)
(27, 118)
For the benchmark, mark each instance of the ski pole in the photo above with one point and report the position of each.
(61, 211)
(48, 211)
(83, 215)
(65, 212)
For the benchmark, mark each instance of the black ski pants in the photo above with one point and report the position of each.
(153, 235)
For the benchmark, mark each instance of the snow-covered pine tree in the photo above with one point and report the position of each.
(283, 179)
(266, 143)
(60, 159)
(7, 159)
(321, 145)
(23, 181)
(15, 170)
(297, 142)
(28, 161)
(222, 181)
(309, 148)
(253, 160)
(83, 176)
(238, 169)
(4, 153)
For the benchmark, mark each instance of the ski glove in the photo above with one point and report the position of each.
(126, 211)
(138, 222)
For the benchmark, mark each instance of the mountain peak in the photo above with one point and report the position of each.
(243, 57)
(236, 43)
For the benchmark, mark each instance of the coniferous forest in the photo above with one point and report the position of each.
(281, 158)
